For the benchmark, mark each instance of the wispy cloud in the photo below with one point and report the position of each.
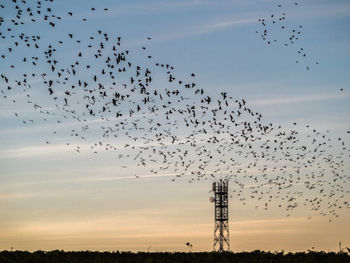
(300, 99)
(117, 178)
(245, 18)
(33, 151)
(15, 196)
(147, 8)
(196, 30)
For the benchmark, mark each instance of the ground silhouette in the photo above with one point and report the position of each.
(167, 257)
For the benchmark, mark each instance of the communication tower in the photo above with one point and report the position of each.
(221, 227)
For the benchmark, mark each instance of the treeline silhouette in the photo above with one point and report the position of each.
(257, 256)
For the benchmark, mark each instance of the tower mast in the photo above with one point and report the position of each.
(221, 227)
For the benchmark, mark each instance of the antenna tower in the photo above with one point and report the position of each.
(221, 227)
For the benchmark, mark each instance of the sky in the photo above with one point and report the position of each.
(52, 197)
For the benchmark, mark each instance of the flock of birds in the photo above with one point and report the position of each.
(275, 29)
(162, 123)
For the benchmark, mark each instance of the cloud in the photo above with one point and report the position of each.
(197, 30)
(300, 99)
(15, 196)
(150, 7)
(31, 151)
(249, 17)
(116, 178)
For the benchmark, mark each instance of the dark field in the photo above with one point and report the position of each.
(203, 257)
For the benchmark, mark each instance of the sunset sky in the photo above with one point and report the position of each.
(52, 197)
